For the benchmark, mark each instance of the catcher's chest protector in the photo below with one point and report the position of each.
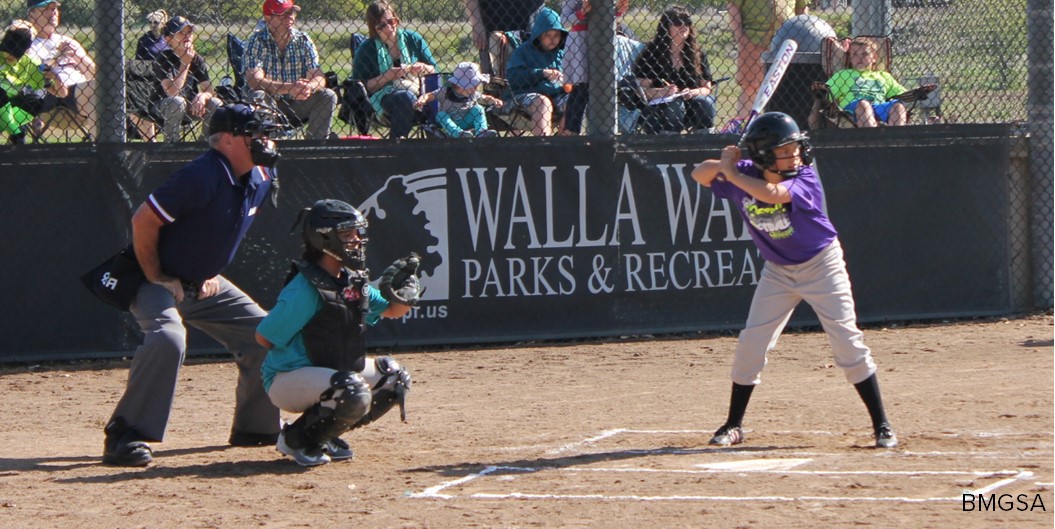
(335, 336)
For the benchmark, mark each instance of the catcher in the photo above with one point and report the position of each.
(316, 363)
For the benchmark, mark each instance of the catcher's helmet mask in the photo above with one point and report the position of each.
(326, 221)
(772, 130)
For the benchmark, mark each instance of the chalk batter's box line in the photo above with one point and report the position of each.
(436, 492)
(617, 431)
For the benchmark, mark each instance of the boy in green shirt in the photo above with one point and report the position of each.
(865, 91)
(22, 79)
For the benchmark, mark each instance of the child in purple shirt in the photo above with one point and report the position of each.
(778, 194)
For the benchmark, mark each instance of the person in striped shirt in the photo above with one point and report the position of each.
(282, 64)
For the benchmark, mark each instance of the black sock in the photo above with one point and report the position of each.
(738, 404)
(868, 389)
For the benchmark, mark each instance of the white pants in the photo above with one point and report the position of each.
(296, 391)
(824, 284)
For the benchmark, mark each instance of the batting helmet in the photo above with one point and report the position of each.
(771, 130)
(325, 220)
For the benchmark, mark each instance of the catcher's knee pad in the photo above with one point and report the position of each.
(339, 408)
(348, 396)
(390, 382)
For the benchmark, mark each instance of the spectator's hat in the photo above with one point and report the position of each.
(177, 24)
(278, 7)
(467, 75)
(33, 4)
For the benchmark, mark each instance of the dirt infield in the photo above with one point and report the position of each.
(583, 435)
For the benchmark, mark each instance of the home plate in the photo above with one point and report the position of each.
(755, 465)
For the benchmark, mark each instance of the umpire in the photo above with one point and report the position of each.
(185, 234)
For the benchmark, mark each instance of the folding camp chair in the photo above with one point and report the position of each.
(827, 113)
(59, 123)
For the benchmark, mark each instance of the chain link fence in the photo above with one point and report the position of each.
(101, 70)
(693, 68)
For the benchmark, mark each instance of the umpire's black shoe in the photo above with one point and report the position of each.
(240, 438)
(124, 446)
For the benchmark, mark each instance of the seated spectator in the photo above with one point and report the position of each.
(865, 91)
(626, 52)
(460, 112)
(498, 27)
(183, 86)
(22, 82)
(282, 64)
(152, 42)
(391, 65)
(673, 66)
(535, 75)
(67, 58)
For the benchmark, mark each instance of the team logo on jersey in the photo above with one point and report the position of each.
(768, 218)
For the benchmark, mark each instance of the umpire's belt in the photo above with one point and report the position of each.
(190, 289)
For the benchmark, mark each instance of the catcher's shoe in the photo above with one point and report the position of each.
(337, 449)
(728, 436)
(124, 447)
(885, 437)
(305, 457)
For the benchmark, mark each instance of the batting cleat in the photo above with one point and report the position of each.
(305, 457)
(885, 437)
(728, 436)
(337, 449)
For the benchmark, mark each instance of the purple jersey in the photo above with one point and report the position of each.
(786, 234)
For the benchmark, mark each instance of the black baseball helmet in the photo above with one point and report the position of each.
(771, 130)
(328, 217)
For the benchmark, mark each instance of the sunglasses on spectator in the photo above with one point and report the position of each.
(387, 23)
(680, 22)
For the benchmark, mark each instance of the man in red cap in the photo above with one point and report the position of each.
(283, 64)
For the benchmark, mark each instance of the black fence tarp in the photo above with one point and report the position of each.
(531, 238)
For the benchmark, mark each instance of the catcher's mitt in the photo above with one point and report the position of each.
(399, 282)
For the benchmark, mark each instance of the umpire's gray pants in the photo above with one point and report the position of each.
(824, 284)
(318, 110)
(230, 317)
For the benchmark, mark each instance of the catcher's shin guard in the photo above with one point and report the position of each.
(391, 382)
(338, 411)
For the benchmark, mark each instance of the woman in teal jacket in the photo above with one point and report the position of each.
(391, 65)
(535, 75)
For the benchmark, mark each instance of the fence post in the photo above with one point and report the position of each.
(1039, 105)
(110, 70)
(600, 49)
(871, 17)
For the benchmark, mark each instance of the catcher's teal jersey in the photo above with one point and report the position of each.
(283, 326)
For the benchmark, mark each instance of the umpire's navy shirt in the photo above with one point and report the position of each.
(206, 210)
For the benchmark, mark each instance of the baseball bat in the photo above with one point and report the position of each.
(772, 80)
